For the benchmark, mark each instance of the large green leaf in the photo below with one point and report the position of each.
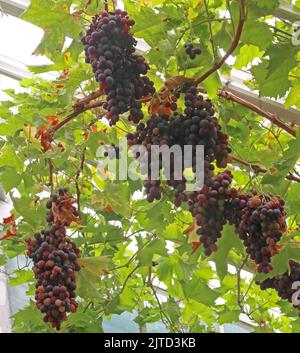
(9, 158)
(229, 241)
(156, 246)
(272, 75)
(257, 33)
(284, 164)
(88, 278)
(228, 316)
(10, 179)
(200, 291)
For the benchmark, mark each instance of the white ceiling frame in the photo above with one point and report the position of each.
(16, 8)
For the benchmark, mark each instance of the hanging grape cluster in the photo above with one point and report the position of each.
(283, 284)
(261, 227)
(55, 261)
(191, 51)
(197, 126)
(110, 49)
(207, 206)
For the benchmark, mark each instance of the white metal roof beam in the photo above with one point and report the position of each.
(14, 8)
(268, 105)
(8, 68)
(285, 11)
(288, 12)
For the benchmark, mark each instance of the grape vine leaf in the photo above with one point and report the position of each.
(284, 163)
(257, 34)
(2, 260)
(9, 158)
(228, 241)
(280, 262)
(97, 265)
(293, 97)
(157, 246)
(199, 291)
(20, 277)
(89, 275)
(228, 316)
(272, 75)
(268, 4)
(10, 179)
(247, 54)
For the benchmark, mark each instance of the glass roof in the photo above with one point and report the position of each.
(21, 40)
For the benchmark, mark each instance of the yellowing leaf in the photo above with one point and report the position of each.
(247, 54)
(197, 3)
(29, 132)
(191, 233)
(96, 265)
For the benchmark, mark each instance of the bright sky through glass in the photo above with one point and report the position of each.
(19, 39)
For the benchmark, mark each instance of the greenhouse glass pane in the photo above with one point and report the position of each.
(19, 39)
(235, 328)
(157, 327)
(121, 324)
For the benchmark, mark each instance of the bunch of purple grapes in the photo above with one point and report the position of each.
(55, 259)
(110, 49)
(262, 224)
(191, 51)
(207, 206)
(283, 284)
(197, 126)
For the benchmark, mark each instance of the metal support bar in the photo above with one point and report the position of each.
(3, 197)
(288, 12)
(5, 312)
(8, 68)
(287, 115)
(14, 8)
(285, 11)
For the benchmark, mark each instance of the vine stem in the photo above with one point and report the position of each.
(106, 5)
(80, 169)
(120, 291)
(51, 184)
(258, 169)
(76, 112)
(234, 44)
(239, 297)
(162, 312)
(271, 117)
(223, 93)
(89, 98)
(210, 31)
